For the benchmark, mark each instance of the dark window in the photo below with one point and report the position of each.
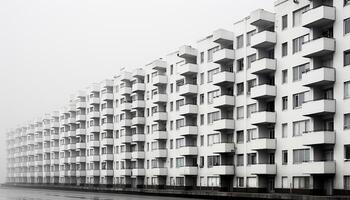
(240, 64)
(284, 49)
(284, 21)
(284, 157)
(347, 58)
(347, 26)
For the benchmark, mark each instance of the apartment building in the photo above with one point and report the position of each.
(261, 108)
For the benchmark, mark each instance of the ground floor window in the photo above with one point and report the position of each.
(180, 181)
(301, 182)
(346, 182)
(213, 181)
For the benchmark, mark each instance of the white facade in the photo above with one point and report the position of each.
(263, 107)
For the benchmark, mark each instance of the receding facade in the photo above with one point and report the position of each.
(262, 107)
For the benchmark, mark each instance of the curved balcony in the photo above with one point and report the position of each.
(224, 78)
(188, 90)
(224, 56)
(138, 138)
(264, 40)
(187, 69)
(138, 87)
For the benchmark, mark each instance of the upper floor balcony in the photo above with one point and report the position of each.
(187, 69)
(264, 91)
(222, 170)
(319, 107)
(263, 118)
(160, 116)
(159, 135)
(318, 138)
(125, 139)
(188, 151)
(223, 78)
(319, 167)
(159, 65)
(264, 40)
(138, 138)
(263, 169)
(107, 141)
(223, 37)
(161, 171)
(107, 111)
(187, 52)
(319, 77)
(94, 100)
(126, 90)
(223, 148)
(159, 153)
(187, 170)
(264, 66)
(262, 18)
(108, 96)
(125, 106)
(138, 121)
(188, 90)
(80, 117)
(263, 144)
(224, 56)
(138, 104)
(224, 124)
(138, 172)
(138, 155)
(188, 109)
(107, 126)
(160, 98)
(125, 122)
(224, 101)
(188, 130)
(318, 17)
(160, 80)
(319, 47)
(138, 87)
(138, 73)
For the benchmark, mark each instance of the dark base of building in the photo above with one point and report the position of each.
(193, 192)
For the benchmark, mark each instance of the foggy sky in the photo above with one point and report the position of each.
(49, 49)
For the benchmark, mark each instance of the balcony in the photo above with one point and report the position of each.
(159, 80)
(138, 172)
(319, 167)
(94, 158)
(138, 155)
(319, 47)
(71, 146)
(94, 100)
(81, 118)
(138, 138)
(107, 96)
(80, 159)
(263, 169)
(139, 72)
(138, 121)
(188, 130)
(95, 172)
(138, 87)
(262, 18)
(138, 104)
(107, 172)
(187, 69)
(125, 172)
(94, 129)
(319, 77)
(159, 135)
(222, 36)
(187, 52)
(108, 157)
(222, 170)
(107, 111)
(224, 78)
(125, 155)
(224, 101)
(188, 90)
(223, 148)
(80, 131)
(126, 90)
(319, 107)
(263, 118)
(264, 40)
(160, 171)
(159, 65)
(160, 116)
(125, 122)
(263, 66)
(81, 173)
(263, 92)
(107, 126)
(80, 104)
(107, 141)
(319, 138)
(263, 144)
(71, 160)
(80, 145)
(160, 98)
(159, 153)
(224, 124)
(93, 143)
(188, 109)
(224, 56)
(318, 17)
(188, 151)
(94, 114)
(125, 106)
(125, 139)
(187, 170)
(71, 134)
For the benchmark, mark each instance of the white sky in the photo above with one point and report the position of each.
(49, 49)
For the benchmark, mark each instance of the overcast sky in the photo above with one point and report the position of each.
(51, 48)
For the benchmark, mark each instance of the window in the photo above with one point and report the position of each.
(213, 181)
(301, 155)
(211, 52)
(240, 181)
(301, 182)
(211, 74)
(240, 160)
(284, 22)
(285, 49)
(201, 99)
(347, 152)
(297, 15)
(240, 88)
(249, 36)
(213, 117)
(202, 57)
(285, 103)
(202, 78)
(240, 137)
(298, 100)
(202, 140)
(213, 161)
(240, 112)
(346, 2)
(201, 161)
(285, 76)
(202, 119)
(250, 84)
(251, 109)
(212, 95)
(180, 162)
(250, 59)
(285, 183)
(251, 158)
(171, 106)
(284, 157)
(347, 89)
(171, 87)
(347, 58)
(346, 26)
(347, 121)
(298, 42)
(347, 180)
(240, 64)
(284, 130)
(171, 69)
(299, 70)
(300, 127)
(240, 41)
